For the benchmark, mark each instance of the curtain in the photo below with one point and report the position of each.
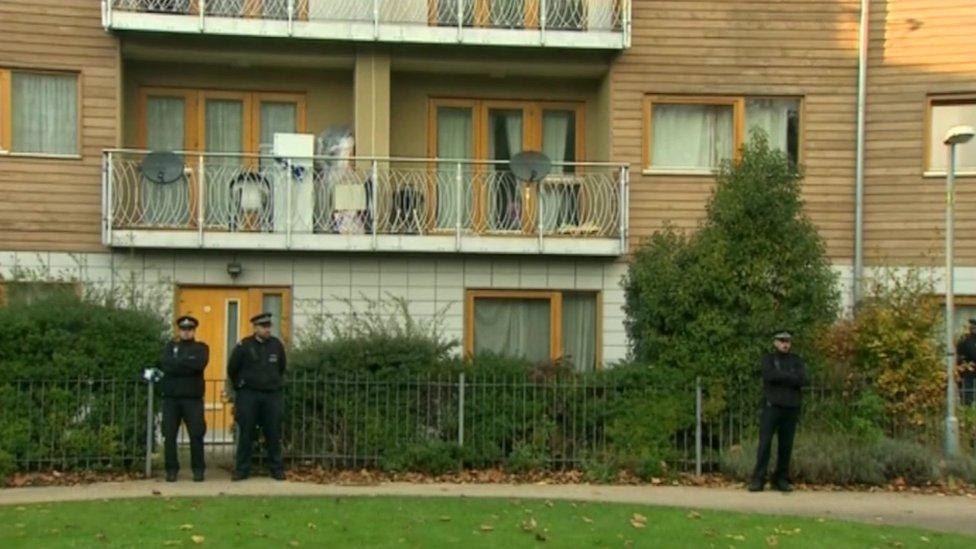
(507, 13)
(271, 303)
(944, 117)
(579, 330)
(447, 12)
(165, 204)
(505, 142)
(276, 117)
(691, 136)
(559, 201)
(773, 117)
(45, 113)
(453, 141)
(224, 133)
(513, 327)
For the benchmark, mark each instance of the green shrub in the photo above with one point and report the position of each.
(70, 394)
(705, 303)
(838, 458)
(962, 467)
(8, 465)
(434, 457)
(526, 457)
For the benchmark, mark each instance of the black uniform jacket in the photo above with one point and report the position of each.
(258, 365)
(182, 364)
(783, 377)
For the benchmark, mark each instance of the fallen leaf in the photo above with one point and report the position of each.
(587, 520)
(21, 508)
(736, 537)
(694, 515)
(156, 492)
(312, 526)
(549, 503)
(772, 541)
(637, 525)
(923, 539)
(487, 528)
(186, 527)
(172, 542)
(529, 525)
(639, 518)
(197, 539)
(294, 543)
(444, 518)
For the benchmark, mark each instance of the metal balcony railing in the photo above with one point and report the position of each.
(581, 16)
(224, 193)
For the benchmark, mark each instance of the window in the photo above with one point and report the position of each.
(39, 112)
(695, 134)
(29, 292)
(490, 198)
(213, 121)
(539, 325)
(944, 113)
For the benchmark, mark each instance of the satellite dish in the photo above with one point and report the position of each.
(531, 166)
(162, 167)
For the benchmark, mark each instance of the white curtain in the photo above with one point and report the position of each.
(276, 117)
(512, 327)
(558, 202)
(45, 113)
(691, 136)
(507, 13)
(944, 117)
(505, 142)
(453, 141)
(167, 204)
(579, 330)
(224, 133)
(772, 116)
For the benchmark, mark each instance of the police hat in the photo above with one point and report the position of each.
(263, 318)
(783, 335)
(187, 322)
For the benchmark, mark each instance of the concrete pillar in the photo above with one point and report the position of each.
(371, 87)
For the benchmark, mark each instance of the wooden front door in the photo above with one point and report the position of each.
(224, 315)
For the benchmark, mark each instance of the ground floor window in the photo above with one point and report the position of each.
(539, 325)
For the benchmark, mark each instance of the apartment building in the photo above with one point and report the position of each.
(395, 123)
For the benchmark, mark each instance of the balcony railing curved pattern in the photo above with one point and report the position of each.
(266, 195)
(582, 17)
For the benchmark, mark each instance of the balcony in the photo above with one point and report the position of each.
(588, 24)
(262, 202)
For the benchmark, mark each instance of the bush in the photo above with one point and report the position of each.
(706, 303)
(433, 457)
(891, 350)
(832, 458)
(66, 365)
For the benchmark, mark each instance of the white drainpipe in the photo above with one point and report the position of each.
(862, 74)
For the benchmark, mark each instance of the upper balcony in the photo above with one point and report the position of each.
(236, 201)
(586, 24)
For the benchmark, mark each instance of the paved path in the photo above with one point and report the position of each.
(946, 513)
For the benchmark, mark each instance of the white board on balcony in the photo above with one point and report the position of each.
(295, 150)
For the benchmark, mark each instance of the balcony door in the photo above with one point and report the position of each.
(235, 123)
(491, 198)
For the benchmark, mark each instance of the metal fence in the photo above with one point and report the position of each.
(364, 420)
(575, 15)
(252, 193)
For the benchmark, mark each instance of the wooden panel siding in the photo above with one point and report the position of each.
(791, 48)
(918, 50)
(55, 204)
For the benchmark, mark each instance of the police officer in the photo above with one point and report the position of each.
(182, 388)
(966, 359)
(783, 376)
(256, 369)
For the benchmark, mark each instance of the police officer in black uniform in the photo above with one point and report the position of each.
(182, 388)
(783, 376)
(256, 370)
(966, 359)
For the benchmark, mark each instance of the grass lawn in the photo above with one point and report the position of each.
(225, 521)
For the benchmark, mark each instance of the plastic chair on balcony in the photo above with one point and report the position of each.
(251, 198)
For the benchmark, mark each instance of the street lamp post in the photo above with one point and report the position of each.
(956, 135)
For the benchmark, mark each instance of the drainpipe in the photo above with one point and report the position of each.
(862, 74)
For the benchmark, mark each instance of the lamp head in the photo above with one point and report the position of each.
(957, 135)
